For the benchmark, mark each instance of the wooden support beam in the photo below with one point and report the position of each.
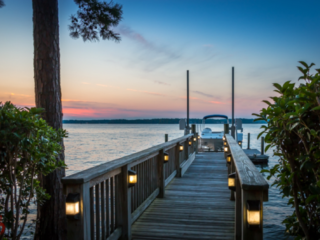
(256, 232)
(177, 156)
(124, 206)
(238, 212)
(161, 178)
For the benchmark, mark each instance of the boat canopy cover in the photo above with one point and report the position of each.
(215, 116)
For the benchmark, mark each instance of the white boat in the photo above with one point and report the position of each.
(212, 141)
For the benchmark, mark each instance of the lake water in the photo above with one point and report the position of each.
(89, 145)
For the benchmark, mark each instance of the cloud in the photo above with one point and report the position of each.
(151, 93)
(152, 55)
(162, 83)
(86, 83)
(69, 103)
(204, 94)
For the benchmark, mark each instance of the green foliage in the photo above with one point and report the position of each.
(28, 147)
(293, 129)
(94, 18)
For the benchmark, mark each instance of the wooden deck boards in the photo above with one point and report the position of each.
(196, 206)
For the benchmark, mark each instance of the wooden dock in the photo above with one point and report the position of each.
(179, 194)
(196, 206)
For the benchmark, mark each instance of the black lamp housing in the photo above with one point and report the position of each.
(165, 157)
(132, 178)
(229, 158)
(253, 206)
(180, 147)
(232, 181)
(73, 198)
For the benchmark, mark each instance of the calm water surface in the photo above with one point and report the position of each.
(89, 145)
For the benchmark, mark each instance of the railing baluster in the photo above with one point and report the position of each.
(112, 203)
(103, 211)
(108, 207)
(97, 193)
(92, 212)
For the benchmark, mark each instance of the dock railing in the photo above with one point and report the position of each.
(249, 190)
(107, 205)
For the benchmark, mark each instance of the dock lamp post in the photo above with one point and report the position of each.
(132, 178)
(73, 206)
(180, 147)
(253, 213)
(232, 181)
(165, 157)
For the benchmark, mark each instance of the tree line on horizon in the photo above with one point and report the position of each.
(158, 121)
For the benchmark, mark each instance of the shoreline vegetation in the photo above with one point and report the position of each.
(158, 121)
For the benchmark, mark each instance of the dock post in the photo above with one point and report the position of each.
(161, 179)
(251, 233)
(124, 208)
(194, 143)
(238, 215)
(262, 145)
(177, 156)
(186, 150)
(248, 140)
(166, 137)
(232, 170)
(226, 128)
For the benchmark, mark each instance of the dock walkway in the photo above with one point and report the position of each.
(196, 206)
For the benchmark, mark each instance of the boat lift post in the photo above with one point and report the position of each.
(232, 121)
(187, 129)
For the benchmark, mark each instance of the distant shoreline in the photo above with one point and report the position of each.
(157, 121)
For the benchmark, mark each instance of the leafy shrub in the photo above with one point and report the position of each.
(28, 147)
(294, 130)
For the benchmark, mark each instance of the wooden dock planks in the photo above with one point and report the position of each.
(196, 206)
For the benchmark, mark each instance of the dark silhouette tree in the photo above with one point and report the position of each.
(94, 19)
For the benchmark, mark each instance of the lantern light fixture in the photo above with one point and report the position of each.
(253, 213)
(232, 181)
(240, 143)
(226, 149)
(180, 147)
(225, 143)
(223, 138)
(73, 206)
(132, 178)
(165, 157)
(199, 137)
(190, 143)
(229, 158)
(194, 139)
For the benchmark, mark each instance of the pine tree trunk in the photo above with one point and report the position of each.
(51, 215)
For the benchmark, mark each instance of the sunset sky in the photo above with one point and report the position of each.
(144, 76)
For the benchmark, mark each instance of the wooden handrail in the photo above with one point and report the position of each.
(250, 186)
(107, 205)
(88, 174)
(249, 176)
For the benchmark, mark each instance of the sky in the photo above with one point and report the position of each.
(144, 76)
